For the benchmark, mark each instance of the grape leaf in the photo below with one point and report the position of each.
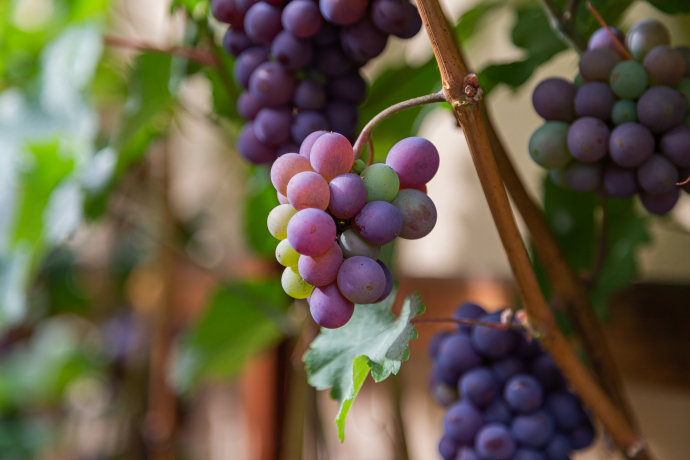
(671, 6)
(374, 340)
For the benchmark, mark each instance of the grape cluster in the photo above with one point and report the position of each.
(504, 397)
(335, 214)
(299, 64)
(623, 127)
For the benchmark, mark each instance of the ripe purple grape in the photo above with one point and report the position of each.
(661, 109)
(294, 53)
(235, 41)
(415, 24)
(272, 84)
(559, 448)
(349, 87)
(302, 18)
(285, 168)
(331, 155)
(498, 412)
(353, 245)
(329, 308)
(494, 442)
(566, 409)
(309, 95)
(645, 35)
(226, 11)
(630, 144)
(251, 148)
(363, 41)
(308, 190)
(657, 176)
(247, 106)
(391, 16)
(529, 454)
(323, 269)
(246, 64)
(418, 213)
(665, 65)
(462, 422)
(448, 447)
(361, 280)
(493, 343)
(523, 393)
(348, 195)
(311, 232)
(416, 161)
(378, 222)
(533, 430)
(588, 139)
(660, 204)
(308, 143)
(597, 64)
(602, 39)
(544, 369)
(331, 61)
(582, 436)
(583, 177)
(342, 116)
(457, 355)
(506, 368)
(554, 100)
(468, 310)
(620, 182)
(305, 123)
(272, 125)
(388, 288)
(675, 144)
(478, 386)
(343, 13)
(595, 99)
(262, 22)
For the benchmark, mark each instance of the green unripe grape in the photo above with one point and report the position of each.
(358, 167)
(579, 81)
(381, 181)
(548, 145)
(354, 245)
(629, 79)
(558, 177)
(286, 255)
(624, 111)
(278, 220)
(684, 88)
(294, 285)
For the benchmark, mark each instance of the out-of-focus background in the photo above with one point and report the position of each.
(126, 331)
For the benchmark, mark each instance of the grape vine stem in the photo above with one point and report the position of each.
(365, 135)
(193, 54)
(602, 23)
(453, 75)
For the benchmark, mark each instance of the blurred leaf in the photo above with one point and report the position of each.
(468, 22)
(225, 91)
(260, 200)
(672, 6)
(373, 340)
(241, 320)
(627, 231)
(610, 10)
(531, 32)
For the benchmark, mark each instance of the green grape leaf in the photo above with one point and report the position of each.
(373, 340)
(671, 6)
(241, 319)
(260, 200)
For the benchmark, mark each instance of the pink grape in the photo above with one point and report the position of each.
(378, 222)
(308, 143)
(322, 269)
(418, 213)
(329, 308)
(285, 168)
(311, 232)
(348, 195)
(331, 155)
(389, 282)
(361, 280)
(308, 190)
(282, 199)
(416, 161)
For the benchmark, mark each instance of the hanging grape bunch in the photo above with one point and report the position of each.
(623, 127)
(504, 397)
(335, 214)
(299, 64)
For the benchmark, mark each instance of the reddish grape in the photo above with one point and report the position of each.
(308, 143)
(378, 222)
(348, 195)
(285, 168)
(664, 65)
(311, 232)
(323, 269)
(361, 280)
(418, 213)
(329, 308)
(308, 190)
(416, 161)
(331, 155)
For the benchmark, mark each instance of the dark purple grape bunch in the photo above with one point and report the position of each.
(335, 214)
(623, 127)
(505, 398)
(299, 64)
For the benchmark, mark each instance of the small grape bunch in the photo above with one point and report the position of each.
(505, 398)
(335, 214)
(623, 127)
(299, 65)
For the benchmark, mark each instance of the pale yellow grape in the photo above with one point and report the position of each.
(278, 220)
(294, 285)
(286, 255)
